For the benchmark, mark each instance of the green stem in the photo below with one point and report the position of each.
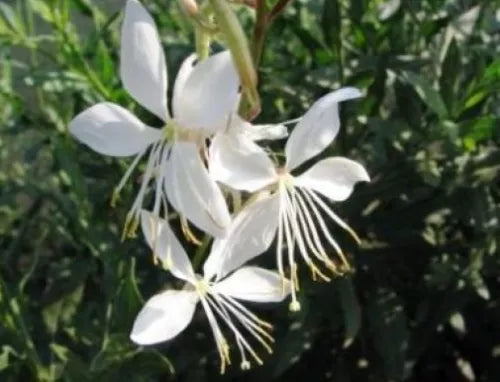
(30, 24)
(259, 31)
(238, 45)
(202, 39)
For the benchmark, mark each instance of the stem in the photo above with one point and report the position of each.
(30, 24)
(238, 45)
(263, 21)
(259, 32)
(278, 8)
(202, 43)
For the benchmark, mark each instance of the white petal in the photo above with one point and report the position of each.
(317, 128)
(250, 234)
(239, 163)
(180, 81)
(256, 132)
(193, 193)
(209, 94)
(333, 177)
(165, 245)
(163, 317)
(143, 68)
(254, 284)
(109, 129)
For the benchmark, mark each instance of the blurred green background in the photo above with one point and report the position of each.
(423, 304)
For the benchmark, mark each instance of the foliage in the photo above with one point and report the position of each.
(423, 303)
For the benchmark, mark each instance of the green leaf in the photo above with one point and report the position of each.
(118, 348)
(42, 9)
(389, 331)
(62, 310)
(12, 19)
(5, 355)
(330, 22)
(427, 93)
(350, 308)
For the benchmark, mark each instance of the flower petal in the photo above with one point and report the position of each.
(109, 129)
(239, 163)
(143, 68)
(164, 316)
(254, 284)
(209, 94)
(256, 132)
(165, 245)
(317, 128)
(249, 235)
(193, 193)
(180, 81)
(333, 177)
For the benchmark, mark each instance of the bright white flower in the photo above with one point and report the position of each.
(203, 98)
(167, 314)
(238, 126)
(293, 209)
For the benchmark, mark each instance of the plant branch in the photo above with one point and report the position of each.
(278, 8)
(259, 31)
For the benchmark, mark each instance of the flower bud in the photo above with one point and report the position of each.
(190, 7)
(238, 45)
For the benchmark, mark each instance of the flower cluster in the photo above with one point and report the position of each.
(204, 155)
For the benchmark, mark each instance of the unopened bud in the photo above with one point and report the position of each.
(190, 7)
(240, 51)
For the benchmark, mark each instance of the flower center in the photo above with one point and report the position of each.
(175, 132)
(285, 179)
(202, 286)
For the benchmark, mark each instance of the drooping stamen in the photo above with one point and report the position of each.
(294, 305)
(325, 231)
(188, 234)
(293, 218)
(239, 338)
(309, 228)
(279, 246)
(258, 332)
(125, 177)
(220, 341)
(132, 220)
(333, 215)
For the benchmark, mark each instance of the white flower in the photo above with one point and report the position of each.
(167, 314)
(203, 98)
(293, 209)
(238, 126)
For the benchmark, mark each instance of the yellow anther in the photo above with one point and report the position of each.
(333, 267)
(294, 279)
(188, 234)
(245, 365)
(265, 324)
(224, 356)
(316, 272)
(346, 268)
(130, 227)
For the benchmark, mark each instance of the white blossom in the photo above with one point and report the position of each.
(168, 313)
(203, 99)
(293, 209)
